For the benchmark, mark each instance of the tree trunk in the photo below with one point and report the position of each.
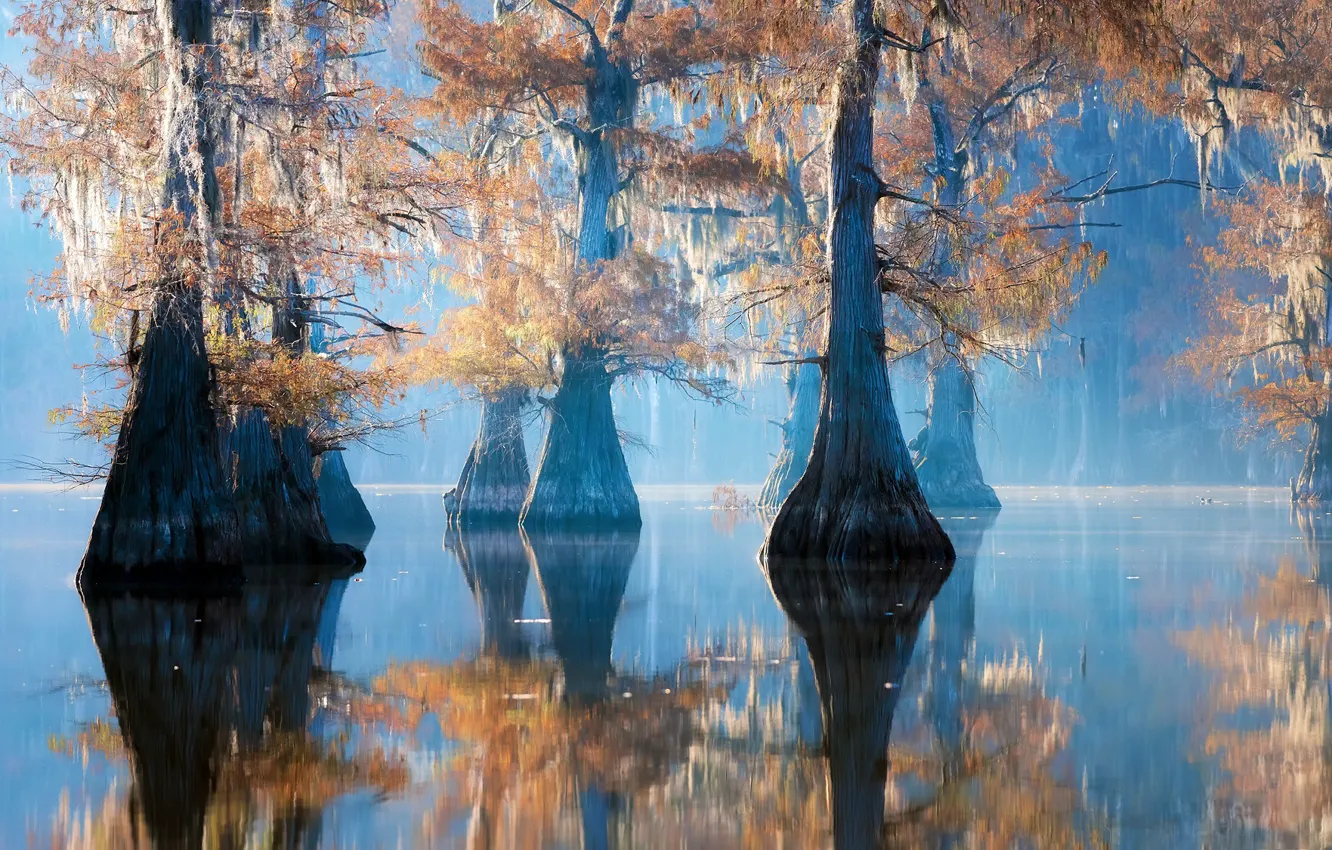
(860, 624)
(583, 577)
(273, 475)
(946, 464)
(582, 478)
(945, 450)
(1314, 485)
(348, 519)
(495, 478)
(858, 497)
(256, 480)
(165, 502)
(276, 496)
(496, 566)
(804, 383)
(803, 387)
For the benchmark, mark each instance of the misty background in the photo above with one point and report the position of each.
(1096, 403)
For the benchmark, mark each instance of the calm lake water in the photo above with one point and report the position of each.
(1104, 667)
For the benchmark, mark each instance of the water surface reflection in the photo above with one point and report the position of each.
(1100, 668)
(212, 703)
(859, 624)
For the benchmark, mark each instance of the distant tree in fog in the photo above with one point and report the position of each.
(580, 110)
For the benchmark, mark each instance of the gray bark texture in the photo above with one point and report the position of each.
(273, 467)
(495, 478)
(860, 625)
(945, 450)
(582, 477)
(946, 465)
(277, 499)
(345, 513)
(166, 505)
(858, 498)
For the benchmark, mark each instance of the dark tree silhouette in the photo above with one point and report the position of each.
(860, 624)
(348, 518)
(495, 563)
(583, 577)
(193, 676)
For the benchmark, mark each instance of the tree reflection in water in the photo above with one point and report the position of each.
(496, 566)
(558, 747)
(752, 741)
(860, 624)
(212, 697)
(983, 772)
(1267, 718)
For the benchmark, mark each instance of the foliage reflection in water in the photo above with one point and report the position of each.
(216, 711)
(782, 705)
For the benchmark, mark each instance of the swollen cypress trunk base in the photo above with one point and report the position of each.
(276, 497)
(495, 478)
(166, 509)
(345, 513)
(858, 498)
(582, 478)
(949, 472)
(803, 387)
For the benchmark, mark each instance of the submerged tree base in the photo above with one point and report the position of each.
(166, 500)
(345, 513)
(314, 564)
(1314, 486)
(582, 479)
(495, 478)
(860, 520)
(282, 521)
(947, 468)
(949, 480)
